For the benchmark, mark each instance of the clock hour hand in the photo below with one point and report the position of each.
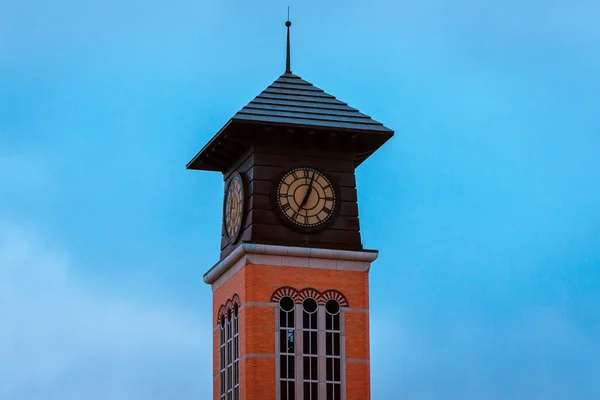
(231, 207)
(310, 187)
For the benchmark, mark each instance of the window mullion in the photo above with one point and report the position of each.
(321, 352)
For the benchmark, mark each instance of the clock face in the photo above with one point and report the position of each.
(306, 197)
(234, 207)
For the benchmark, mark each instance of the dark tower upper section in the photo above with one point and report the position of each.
(293, 123)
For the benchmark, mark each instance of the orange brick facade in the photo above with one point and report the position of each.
(254, 284)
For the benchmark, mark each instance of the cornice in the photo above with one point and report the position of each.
(361, 257)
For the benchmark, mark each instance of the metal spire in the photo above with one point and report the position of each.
(288, 69)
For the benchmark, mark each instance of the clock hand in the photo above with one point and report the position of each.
(308, 192)
(231, 207)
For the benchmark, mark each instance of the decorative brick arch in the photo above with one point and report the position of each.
(284, 291)
(335, 295)
(308, 292)
(221, 313)
(224, 309)
(300, 295)
(227, 355)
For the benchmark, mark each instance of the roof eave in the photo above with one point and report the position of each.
(377, 137)
(202, 160)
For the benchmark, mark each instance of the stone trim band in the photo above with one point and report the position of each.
(306, 252)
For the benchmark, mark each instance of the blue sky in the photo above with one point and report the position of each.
(484, 206)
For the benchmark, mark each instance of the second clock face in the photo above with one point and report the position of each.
(234, 207)
(306, 197)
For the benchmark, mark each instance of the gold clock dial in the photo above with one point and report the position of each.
(234, 207)
(306, 197)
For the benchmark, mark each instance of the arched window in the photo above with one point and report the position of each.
(287, 348)
(333, 351)
(314, 369)
(229, 353)
(236, 354)
(222, 359)
(310, 351)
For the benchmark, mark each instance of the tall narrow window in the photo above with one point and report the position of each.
(229, 354)
(310, 349)
(333, 350)
(317, 320)
(236, 354)
(287, 359)
(222, 360)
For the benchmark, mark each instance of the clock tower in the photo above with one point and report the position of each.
(291, 290)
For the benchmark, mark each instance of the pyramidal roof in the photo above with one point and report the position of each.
(291, 102)
(294, 101)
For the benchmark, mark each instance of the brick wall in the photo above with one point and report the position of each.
(254, 284)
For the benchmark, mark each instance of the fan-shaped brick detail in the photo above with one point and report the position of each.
(300, 295)
(228, 306)
(236, 300)
(335, 295)
(221, 313)
(308, 292)
(284, 291)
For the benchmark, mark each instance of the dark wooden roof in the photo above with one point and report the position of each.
(293, 103)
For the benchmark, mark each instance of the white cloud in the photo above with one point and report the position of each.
(61, 340)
